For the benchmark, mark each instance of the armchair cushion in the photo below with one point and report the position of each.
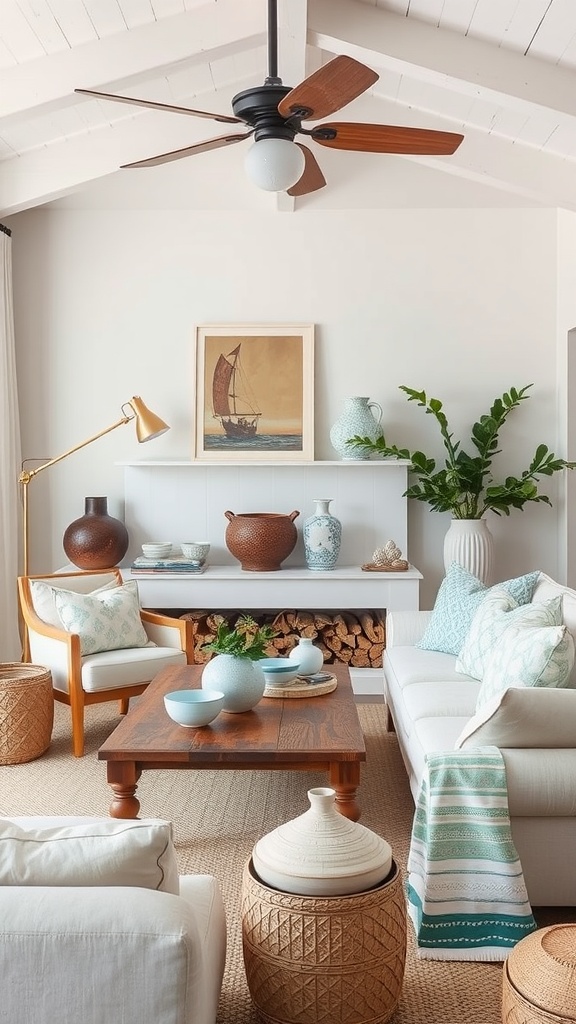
(108, 620)
(43, 594)
(96, 853)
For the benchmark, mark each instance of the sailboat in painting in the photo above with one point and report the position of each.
(231, 401)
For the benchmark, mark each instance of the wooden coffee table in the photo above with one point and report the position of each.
(320, 733)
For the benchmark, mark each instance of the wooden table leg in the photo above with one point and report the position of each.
(123, 778)
(345, 779)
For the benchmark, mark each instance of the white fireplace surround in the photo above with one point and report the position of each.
(185, 501)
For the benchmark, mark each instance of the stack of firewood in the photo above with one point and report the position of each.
(356, 638)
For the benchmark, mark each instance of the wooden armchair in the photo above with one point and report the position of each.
(79, 679)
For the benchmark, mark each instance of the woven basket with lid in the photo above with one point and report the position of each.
(539, 980)
(26, 712)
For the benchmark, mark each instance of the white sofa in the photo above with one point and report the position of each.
(432, 708)
(133, 944)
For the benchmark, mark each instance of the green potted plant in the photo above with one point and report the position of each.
(234, 671)
(465, 485)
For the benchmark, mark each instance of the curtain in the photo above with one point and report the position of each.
(10, 456)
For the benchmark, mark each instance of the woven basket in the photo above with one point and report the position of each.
(324, 960)
(26, 712)
(539, 980)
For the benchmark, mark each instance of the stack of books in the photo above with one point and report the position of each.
(178, 565)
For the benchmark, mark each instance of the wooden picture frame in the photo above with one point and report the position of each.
(254, 393)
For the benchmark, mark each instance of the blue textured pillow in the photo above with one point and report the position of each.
(459, 596)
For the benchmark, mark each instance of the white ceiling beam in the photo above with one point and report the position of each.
(470, 66)
(292, 32)
(484, 157)
(202, 34)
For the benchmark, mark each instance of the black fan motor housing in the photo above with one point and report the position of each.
(258, 107)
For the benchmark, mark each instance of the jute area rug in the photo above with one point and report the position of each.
(219, 816)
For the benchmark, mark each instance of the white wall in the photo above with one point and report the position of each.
(460, 302)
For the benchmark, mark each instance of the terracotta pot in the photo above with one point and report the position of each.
(261, 540)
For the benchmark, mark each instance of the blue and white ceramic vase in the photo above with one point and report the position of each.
(322, 536)
(359, 418)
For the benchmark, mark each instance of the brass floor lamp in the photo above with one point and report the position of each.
(148, 426)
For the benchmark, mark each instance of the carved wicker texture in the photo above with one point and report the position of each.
(324, 960)
(26, 712)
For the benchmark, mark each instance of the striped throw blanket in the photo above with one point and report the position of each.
(466, 893)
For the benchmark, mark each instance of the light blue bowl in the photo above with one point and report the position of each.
(194, 708)
(278, 671)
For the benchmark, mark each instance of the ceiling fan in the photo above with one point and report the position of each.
(274, 114)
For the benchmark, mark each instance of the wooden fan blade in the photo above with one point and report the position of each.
(312, 178)
(200, 147)
(385, 138)
(159, 106)
(328, 89)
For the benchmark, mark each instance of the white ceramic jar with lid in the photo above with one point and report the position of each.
(322, 853)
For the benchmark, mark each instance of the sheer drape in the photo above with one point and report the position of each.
(9, 460)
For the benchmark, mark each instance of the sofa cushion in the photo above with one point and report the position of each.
(102, 853)
(546, 588)
(499, 611)
(528, 657)
(458, 598)
(108, 620)
(442, 699)
(523, 717)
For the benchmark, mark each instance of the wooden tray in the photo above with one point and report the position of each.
(299, 688)
(372, 567)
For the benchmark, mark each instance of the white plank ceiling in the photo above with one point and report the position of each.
(502, 72)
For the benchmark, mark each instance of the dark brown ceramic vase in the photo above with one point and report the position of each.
(261, 540)
(96, 540)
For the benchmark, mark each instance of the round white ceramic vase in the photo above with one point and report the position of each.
(470, 543)
(308, 657)
(240, 680)
(360, 417)
(322, 853)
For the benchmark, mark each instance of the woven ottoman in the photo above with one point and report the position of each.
(324, 959)
(26, 712)
(539, 979)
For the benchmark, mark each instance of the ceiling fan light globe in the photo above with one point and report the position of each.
(274, 164)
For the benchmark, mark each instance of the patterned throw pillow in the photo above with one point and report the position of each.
(105, 621)
(499, 611)
(458, 598)
(528, 657)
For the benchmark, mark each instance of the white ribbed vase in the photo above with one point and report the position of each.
(470, 543)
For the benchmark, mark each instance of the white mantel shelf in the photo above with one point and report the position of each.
(225, 586)
(180, 500)
(199, 463)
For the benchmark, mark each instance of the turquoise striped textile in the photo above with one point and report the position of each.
(466, 893)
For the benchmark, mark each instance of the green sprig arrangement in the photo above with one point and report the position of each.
(465, 485)
(246, 640)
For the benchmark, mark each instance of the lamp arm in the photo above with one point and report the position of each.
(27, 474)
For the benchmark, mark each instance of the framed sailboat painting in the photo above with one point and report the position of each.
(254, 393)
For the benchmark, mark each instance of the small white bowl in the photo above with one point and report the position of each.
(278, 671)
(196, 550)
(193, 708)
(158, 549)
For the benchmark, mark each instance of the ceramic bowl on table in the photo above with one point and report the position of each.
(196, 550)
(194, 708)
(157, 549)
(278, 671)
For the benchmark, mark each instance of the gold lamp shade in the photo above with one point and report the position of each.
(148, 424)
